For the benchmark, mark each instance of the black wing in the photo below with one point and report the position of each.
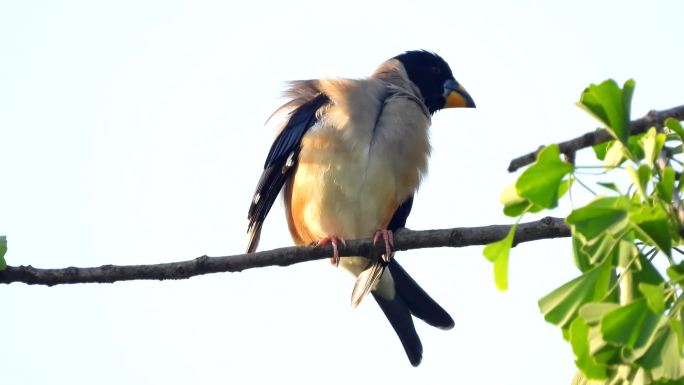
(280, 162)
(399, 219)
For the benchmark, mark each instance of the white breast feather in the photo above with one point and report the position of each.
(355, 170)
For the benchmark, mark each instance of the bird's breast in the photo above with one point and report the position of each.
(355, 169)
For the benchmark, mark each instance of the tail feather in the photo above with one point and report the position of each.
(417, 300)
(366, 281)
(410, 300)
(399, 315)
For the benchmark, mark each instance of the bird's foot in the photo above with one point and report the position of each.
(388, 237)
(335, 260)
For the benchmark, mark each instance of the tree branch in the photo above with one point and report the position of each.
(545, 228)
(569, 147)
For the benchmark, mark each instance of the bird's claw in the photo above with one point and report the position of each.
(388, 237)
(335, 260)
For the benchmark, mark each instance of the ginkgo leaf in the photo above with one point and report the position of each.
(632, 326)
(579, 339)
(3, 251)
(611, 105)
(560, 307)
(497, 253)
(655, 296)
(653, 226)
(541, 182)
(598, 216)
(664, 357)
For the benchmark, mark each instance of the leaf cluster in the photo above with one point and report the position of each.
(623, 313)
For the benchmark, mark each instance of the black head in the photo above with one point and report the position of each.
(433, 77)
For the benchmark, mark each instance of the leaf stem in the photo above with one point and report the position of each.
(584, 185)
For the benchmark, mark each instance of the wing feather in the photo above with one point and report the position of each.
(282, 157)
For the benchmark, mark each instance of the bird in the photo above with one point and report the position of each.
(348, 158)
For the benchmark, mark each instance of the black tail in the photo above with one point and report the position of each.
(411, 299)
(417, 300)
(399, 316)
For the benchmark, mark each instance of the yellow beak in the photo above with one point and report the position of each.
(456, 96)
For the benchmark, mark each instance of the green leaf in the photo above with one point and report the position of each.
(540, 183)
(643, 213)
(615, 155)
(514, 204)
(497, 253)
(664, 357)
(635, 149)
(627, 93)
(610, 105)
(632, 326)
(655, 297)
(646, 272)
(652, 143)
(678, 328)
(595, 251)
(606, 247)
(616, 152)
(581, 379)
(658, 234)
(676, 272)
(644, 176)
(640, 178)
(610, 186)
(560, 307)
(579, 339)
(675, 126)
(599, 216)
(580, 254)
(648, 143)
(563, 188)
(601, 149)
(594, 311)
(665, 186)
(3, 250)
(653, 227)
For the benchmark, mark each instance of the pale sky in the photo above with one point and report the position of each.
(133, 132)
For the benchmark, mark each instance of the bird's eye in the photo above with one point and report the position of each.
(436, 71)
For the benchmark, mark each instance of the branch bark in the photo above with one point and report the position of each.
(571, 146)
(545, 228)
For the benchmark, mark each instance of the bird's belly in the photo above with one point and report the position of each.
(347, 187)
(343, 198)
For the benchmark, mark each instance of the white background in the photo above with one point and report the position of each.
(132, 132)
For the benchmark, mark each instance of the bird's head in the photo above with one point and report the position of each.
(433, 77)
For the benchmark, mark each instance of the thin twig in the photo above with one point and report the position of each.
(545, 228)
(569, 147)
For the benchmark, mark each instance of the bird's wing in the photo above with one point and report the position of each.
(401, 214)
(282, 157)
